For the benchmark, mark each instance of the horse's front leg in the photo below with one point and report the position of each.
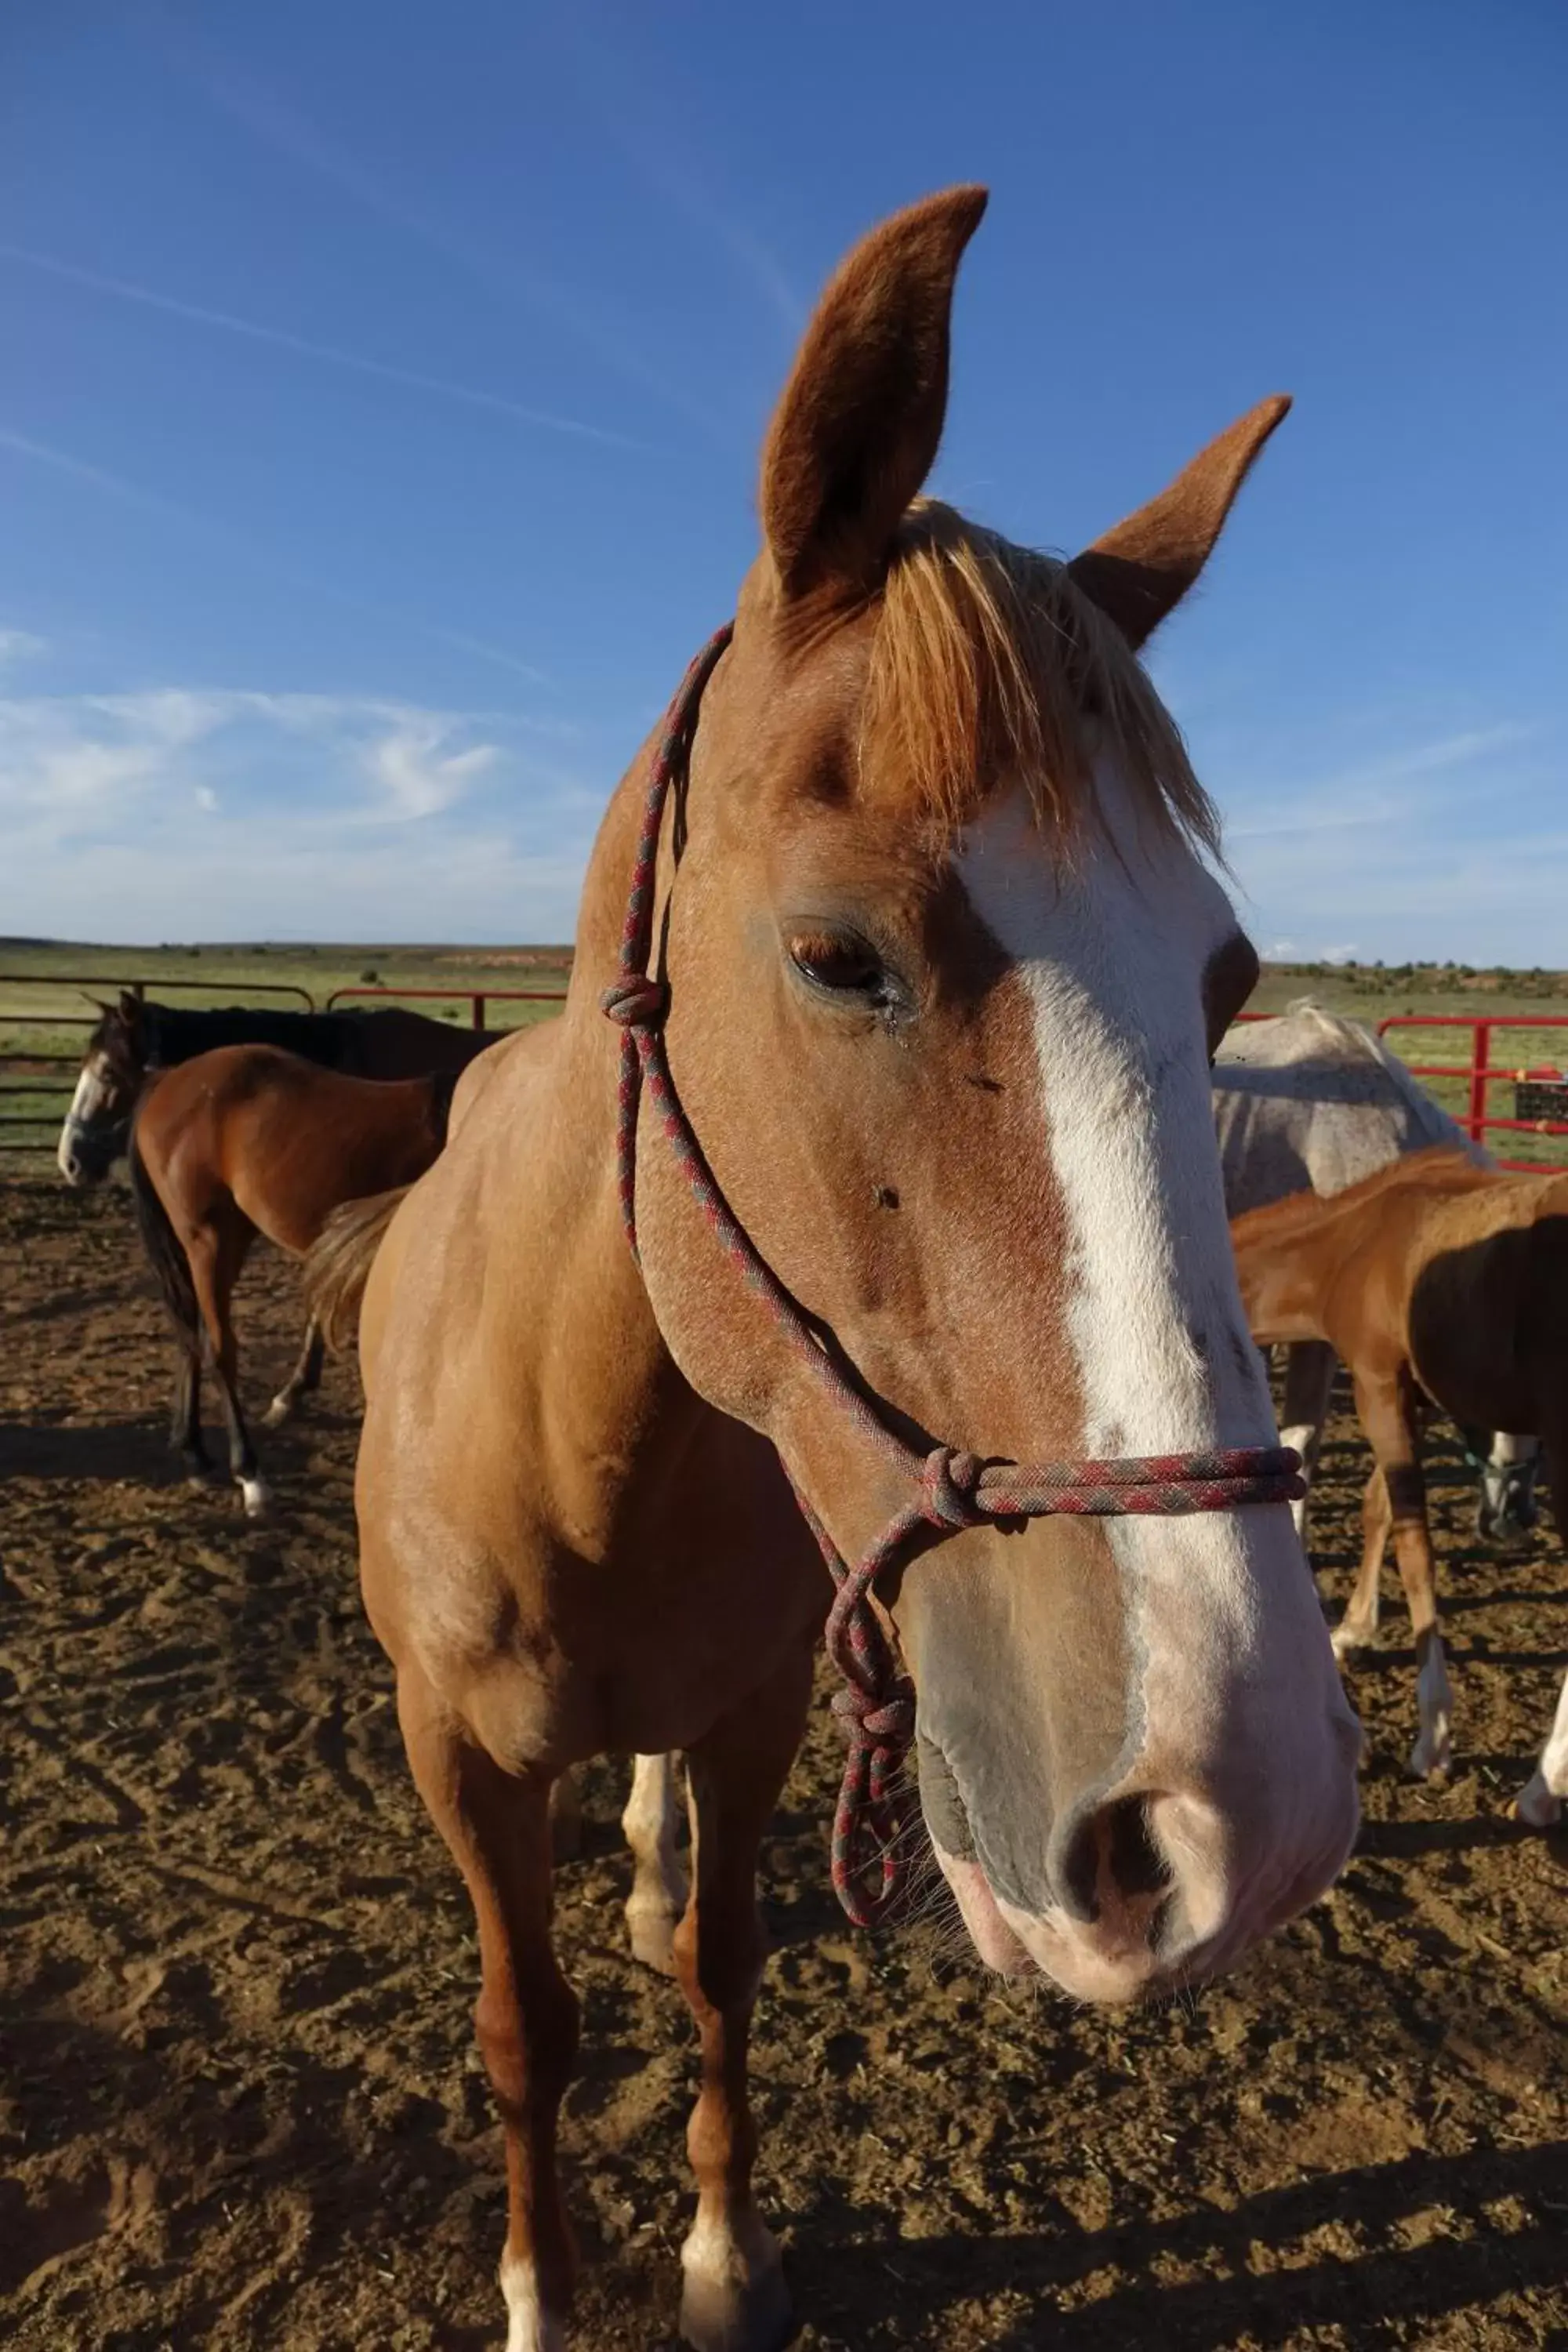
(1539, 1803)
(305, 1378)
(496, 1826)
(1506, 1512)
(1390, 1414)
(735, 2299)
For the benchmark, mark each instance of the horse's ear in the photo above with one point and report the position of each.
(129, 1009)
(1141, 570)
(857, 431)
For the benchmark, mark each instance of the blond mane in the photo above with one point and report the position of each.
(988, 661)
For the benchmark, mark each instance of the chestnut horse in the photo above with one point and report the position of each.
(944, 969)
(1435, 1281)
(249, 1139)
(1310, 1099)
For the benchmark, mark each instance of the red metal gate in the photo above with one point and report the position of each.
(1480, 1074)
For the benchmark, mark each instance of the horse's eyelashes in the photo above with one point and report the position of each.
(834, 961)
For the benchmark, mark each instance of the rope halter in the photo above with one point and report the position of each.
(949, 1489)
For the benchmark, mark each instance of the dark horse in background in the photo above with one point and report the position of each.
(134, 1038)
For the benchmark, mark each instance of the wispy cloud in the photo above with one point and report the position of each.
(418, 776)
(331, 354)
(1446, 845)
(284, 127)
(71, 761)
(1370, 793)
(115, 486)
(625, 90)
(181, 812)
(20, 646)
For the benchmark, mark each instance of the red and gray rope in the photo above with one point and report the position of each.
(949, 1490)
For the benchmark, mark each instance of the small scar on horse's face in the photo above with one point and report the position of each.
(987, 1085)
(887, 1195)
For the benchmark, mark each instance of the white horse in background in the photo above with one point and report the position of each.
(1311, 1103)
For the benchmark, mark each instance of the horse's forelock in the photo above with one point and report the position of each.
(990, 663)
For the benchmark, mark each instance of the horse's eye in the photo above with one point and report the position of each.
(834, 960)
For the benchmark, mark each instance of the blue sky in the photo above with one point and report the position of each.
(383, 384)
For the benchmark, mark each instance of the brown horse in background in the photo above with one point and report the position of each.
(1435, 1280)
(249, 1139)
(134, 1039)
(944, 971)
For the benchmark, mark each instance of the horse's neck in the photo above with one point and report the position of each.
(551, 1134)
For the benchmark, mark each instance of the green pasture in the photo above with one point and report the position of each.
(59, 978)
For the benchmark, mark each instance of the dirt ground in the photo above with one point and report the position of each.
(241, 2105)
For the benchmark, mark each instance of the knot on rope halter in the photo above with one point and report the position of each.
(878, 1718)
(636, 1002)
(948, 1480)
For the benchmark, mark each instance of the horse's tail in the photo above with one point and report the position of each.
(171, 1266)
(338, 1263)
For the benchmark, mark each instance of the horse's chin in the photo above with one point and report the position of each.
(1016, 1944)
(993, 1938)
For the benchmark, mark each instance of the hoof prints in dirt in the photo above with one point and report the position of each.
(240, 2103)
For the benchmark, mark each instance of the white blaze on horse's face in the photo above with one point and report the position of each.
(83, 1156)
(1239, 1745)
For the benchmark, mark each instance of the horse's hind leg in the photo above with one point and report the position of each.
(496, 1826)
(185, 1412)
(1390, 1414)
(216, 1253)
(1309, 1388)
(305, 1378)
(1358, 1627)
(735, 2299)
(658, 1883)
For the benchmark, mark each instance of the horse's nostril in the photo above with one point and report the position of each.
(1106, 1852)
(1137, 1865)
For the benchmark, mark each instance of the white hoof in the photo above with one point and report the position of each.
(258, 1497)
(1433, 1751)
(528, 2327)
(1346, 1640)
(1536, 1806)
(734, 2296)
(281, 1410)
